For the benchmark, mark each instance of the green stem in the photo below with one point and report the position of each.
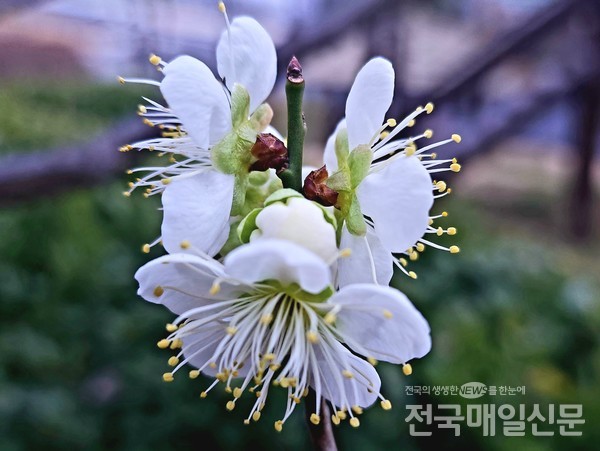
(294, 90)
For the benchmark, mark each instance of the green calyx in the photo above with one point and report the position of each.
(248, 224)
(353, 167)
(232, 154)
(294, 291)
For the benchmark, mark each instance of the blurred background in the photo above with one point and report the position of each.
(519, 306)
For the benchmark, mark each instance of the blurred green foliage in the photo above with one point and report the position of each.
(79, 368)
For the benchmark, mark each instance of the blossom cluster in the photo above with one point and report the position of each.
(275, 287)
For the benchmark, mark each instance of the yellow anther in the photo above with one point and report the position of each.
(194, 374)
(335, 419)
(391, 122)
(430, 221)
(428, 133)
(163, 344)
(284, 382)
(449, 190)
(441, 186)
(413, 256)
(203, 395)
(185, 244)
(403, 261)
(154, 59)
(330, 318)
(407, 369)
(354, 422)
(121, 80)
(455, 167)
(384, 135)
(171, 327)
(165, 181)
(128, 172)
(237, 392)
(451, 231)
(230, 405)
(433, 155)
(215, 288)
(158, 291)
(231, 330)
(411, 123)
(386, 404)
(444, 213)
(246, 421)
(347, 374)
(357, 410)
(439, 231)
(341, 414)
(147, 122)
(126, 194)
(258, 394)
(256, 416)
(372, 360)
(420, 247)
(456, 138)
(222, 7)
(176, 344)
(347, 252)
(412, 274)
(274, 367)
(387, 314)
(454, 249)
(213, 365)
(124, 149)
(168, 377)
(429, 108)
(142, 109)
(315, 419)
(278, 425)
(266, 319)
(312, 336)
(146, 248)
(269, 357)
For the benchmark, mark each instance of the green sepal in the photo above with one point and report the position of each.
(359, 162)
(247, 226)
(342, 148)
(239, 194)
(261, 117)
(340, 181)
(355, 220)
(293, 290)
(240, 105)
(282, 195)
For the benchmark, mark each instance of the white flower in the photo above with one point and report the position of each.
(299, 221)
(386, 191)
(268, 317)
(209, 126)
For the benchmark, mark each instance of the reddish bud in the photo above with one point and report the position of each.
(315, 188)
(269, 152)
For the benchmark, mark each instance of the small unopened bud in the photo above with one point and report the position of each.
(270, 152)
(315, 188)
(294, 71)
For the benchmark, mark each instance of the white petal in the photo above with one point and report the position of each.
(299, 221)
(398, 199)
(246, 55)
(332, 358)
(181, 286)
(278, 260)
(329, 157)
(369, 99)
(382, 321)
(198, 99)
(368, 259)
(196, 209)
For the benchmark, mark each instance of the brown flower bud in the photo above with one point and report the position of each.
(294, 71)
(315, 188)
(269, 152)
